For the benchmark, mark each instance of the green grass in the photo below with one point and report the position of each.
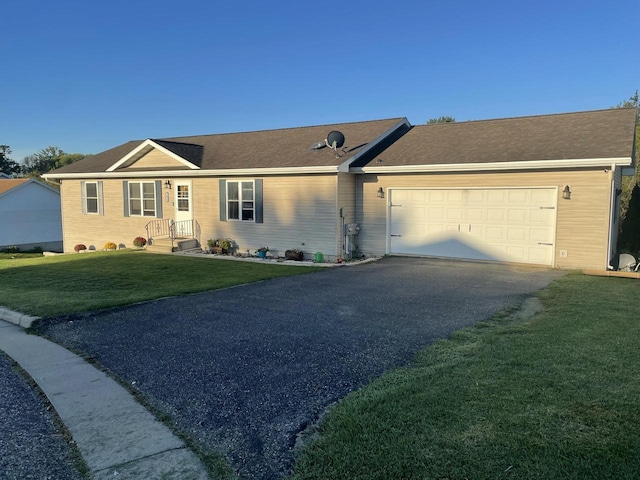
(50, 286)
(555, 397)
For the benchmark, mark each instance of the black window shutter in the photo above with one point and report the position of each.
(223, 200)
(125, 197)
(258, 199)
(158, 198)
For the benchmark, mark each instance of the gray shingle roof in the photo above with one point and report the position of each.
(260, 149)
(583, 135)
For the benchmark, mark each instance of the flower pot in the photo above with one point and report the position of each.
(291, 255)
(262, 254)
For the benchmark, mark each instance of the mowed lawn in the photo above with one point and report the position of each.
(554, 397)
(50, 286)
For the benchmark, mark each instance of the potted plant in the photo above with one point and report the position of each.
(262, 252)
(220, 245)
(139, 242)
(294, 254)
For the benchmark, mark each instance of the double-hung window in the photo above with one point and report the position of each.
(91, 198)
(241, 200)
(142, 199)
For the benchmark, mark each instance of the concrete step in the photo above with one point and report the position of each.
(163, 245)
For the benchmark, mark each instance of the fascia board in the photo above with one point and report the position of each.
(494, 166)
(246, 172)
(344, 167)
(150, 144)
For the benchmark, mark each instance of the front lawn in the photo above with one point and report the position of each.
(557, 396)
(49, 286)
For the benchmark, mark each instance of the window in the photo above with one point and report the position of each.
(240, 201)
(183, 198)
(92, 198)
(142, 199)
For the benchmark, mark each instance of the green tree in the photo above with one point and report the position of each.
(7, 165)
(443, 119)
(629, 238)
(629, 182)
(48, 159)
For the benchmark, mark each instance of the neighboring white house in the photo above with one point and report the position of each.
(30, 215)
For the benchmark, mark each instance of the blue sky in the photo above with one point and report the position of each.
(86, 76)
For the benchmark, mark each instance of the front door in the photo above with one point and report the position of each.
(184, 208)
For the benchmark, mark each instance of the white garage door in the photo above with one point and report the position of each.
(501, 224)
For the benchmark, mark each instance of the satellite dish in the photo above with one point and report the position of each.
(318, 145)
(335, 139)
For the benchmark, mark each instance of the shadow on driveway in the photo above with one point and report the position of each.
(244, 370)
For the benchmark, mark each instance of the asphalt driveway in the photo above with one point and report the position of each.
(244, 370)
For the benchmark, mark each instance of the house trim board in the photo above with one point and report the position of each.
(493, 166)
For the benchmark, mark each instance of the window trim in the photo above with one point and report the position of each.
(258, 207)
(157, 198)
(86, 198)
(241, 201)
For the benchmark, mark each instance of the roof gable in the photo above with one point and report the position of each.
(10, 185)
(144, 149)
(7, 184)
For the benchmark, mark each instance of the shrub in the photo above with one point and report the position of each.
(79, 247)
(139, 242)
(12, 249)
(110, 246)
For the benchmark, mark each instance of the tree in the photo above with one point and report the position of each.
(629, 182)
(47, 159)
(443, 119)
(7, 165)
(629, 238)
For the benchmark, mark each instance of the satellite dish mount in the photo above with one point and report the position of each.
(334, 140)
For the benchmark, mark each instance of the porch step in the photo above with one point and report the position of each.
(163, 245)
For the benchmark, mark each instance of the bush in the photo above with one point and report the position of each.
(110, 246)
(629, 238)
(139, 242)
(79, 247)
(11, 249)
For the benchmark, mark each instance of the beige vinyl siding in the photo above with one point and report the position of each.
(154, 159)
(582, 222)
(298, 212)
(346, 201)
(96, 230)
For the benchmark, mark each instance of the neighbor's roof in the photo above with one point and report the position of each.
(283, 148)
(596, 136)
(7, 184)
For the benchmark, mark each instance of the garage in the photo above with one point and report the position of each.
(496, 224)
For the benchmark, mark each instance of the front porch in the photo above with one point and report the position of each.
(166, 236)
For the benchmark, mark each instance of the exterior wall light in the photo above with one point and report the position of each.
(566, 193)
(167, 184)
(380, 192)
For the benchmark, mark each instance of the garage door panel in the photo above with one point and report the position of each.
(515, 225)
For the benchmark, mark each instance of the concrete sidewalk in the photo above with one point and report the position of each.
(115, 435)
